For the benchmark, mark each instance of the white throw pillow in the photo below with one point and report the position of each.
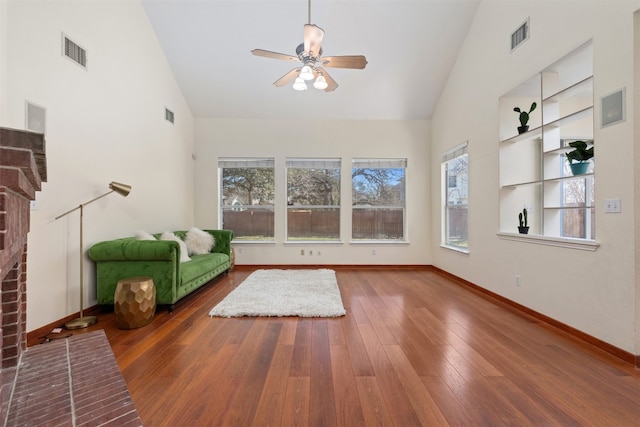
(199, 242)
(184, 255)
(143, 235)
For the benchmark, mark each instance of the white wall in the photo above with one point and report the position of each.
(103, 124)
(333, 138)
(3, 58)
(594, 292)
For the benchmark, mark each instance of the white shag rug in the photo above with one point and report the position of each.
(302, 293)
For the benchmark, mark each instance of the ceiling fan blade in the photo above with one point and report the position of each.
(331, 84)
(313, 39)
(348, 61)
(287, 78)
(274, 55)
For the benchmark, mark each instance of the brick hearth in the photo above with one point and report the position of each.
(70, 382)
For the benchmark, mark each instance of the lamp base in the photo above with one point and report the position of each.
(80, 323)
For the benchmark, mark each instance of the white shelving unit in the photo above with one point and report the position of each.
(534, 173)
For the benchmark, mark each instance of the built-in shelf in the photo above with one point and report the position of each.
(582, 87)
(530, 134)
(547, 180)
(529, 171)
(563, 121)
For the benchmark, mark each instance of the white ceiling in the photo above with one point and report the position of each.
(410, 45)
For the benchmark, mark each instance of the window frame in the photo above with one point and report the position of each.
(247, 163)
(380, 163)
(449, 156)
(313, 163)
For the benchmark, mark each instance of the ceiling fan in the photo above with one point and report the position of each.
(309, 53)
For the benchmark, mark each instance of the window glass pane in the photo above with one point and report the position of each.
(456, 183)
(378, 199)
(313, 199)
(578, 201)
(313, 223)
(247, 198)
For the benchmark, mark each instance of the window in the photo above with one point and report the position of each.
(313, 199)
(378, 199)
(247, 197)
(455, 172)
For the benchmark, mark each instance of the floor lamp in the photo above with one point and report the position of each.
(85, 321)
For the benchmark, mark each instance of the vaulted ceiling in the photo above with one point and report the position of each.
(410, 45)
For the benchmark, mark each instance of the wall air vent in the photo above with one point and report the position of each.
(74, 52)
(520, 35)
(168, 115)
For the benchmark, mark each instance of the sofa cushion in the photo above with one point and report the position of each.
(200, 265)
(184, 254)
(198, 242)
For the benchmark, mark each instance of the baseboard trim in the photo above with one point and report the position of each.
(570, 331)
(35, 337)
(334, 266)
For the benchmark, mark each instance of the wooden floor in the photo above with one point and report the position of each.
(414, 349)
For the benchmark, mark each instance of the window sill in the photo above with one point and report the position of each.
(312, 242)
(379, 242)
(456, 249)
(563, 242)
(253, 242)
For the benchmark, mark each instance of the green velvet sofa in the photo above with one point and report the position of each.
(129, 257)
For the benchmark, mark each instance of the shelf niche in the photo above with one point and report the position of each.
(534, 172)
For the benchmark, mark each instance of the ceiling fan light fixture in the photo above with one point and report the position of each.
(299, 84)
(320, 83)
(306, 73)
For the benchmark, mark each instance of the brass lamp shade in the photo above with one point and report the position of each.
(85, 321)
(121, 189)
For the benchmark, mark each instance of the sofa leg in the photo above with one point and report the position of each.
(170, 307)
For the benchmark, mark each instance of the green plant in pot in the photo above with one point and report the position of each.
(523, 228)
(524, 117)
(579, 157)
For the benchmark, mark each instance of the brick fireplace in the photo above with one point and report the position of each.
(22, 171)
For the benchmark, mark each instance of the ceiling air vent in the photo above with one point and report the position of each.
(168, 115)
(74, 52)
(520, 35)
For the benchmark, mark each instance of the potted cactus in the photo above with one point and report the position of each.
(524, 117)
(578, 158)
(523, 228)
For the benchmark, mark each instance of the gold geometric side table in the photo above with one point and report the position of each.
(134, 302)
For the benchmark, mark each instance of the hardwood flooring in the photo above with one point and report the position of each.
(415, 348)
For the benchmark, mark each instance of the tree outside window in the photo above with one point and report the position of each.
(247, 198)
(378, 199)
(313, 199)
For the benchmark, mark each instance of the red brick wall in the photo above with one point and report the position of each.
(14, 312)
(22, 170)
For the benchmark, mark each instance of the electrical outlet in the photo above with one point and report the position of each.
(612, 205)
(319, 253)
(301, 251)
(518, 282)
(373, 251)
(310, 253)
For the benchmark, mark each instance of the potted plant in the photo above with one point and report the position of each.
(523, 228)
(579, 157)
(524, 117)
